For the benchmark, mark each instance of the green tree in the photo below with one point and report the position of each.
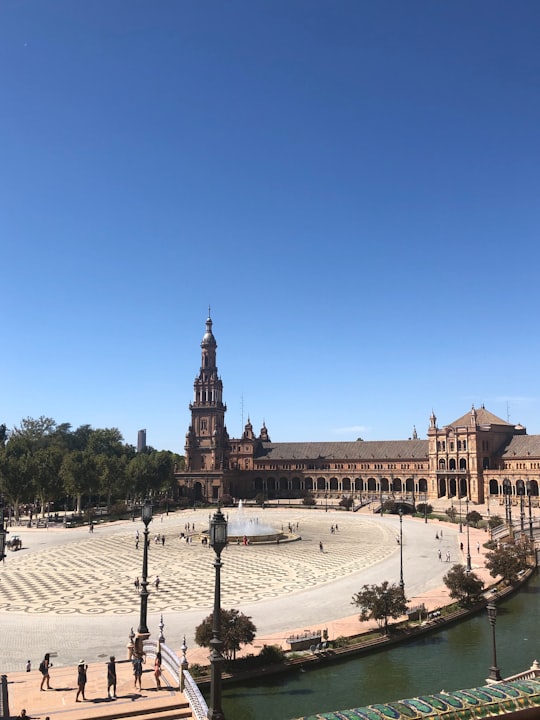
(508, 561)
(380, 602)
(237, 629)
(424, 508)
(3, 435)
(141, 471)
(36, 431)
(465, 587)
(473, 518)
(79, 475)
(451, 512)
(17, 472)
(47, 462)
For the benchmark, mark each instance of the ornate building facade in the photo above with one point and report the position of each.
(478, 457)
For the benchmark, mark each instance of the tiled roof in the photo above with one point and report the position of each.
(522, 446)
(498, 699)
(483, 417)
(358, 450)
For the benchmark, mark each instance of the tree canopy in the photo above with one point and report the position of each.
(508, 560)
(43, 459)
(237, 629)
(380, 602)
(465, 587)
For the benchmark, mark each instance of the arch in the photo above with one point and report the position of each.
(396, 484)
(333, 484)
(463, 463)
(422, 485)
(258, 484)
(409, 485)
(452, 464)
(282, 484)
(384, 485)
(442, 464)
(452, 487)
(321, 484)
(197, 491)
(493, 487)
(532, 488)
(358, 484)
(441, 487)
(372, 485)
(346, 484)
(462, 489)
(308, 483)
(296, 483)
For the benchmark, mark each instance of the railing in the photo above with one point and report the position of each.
(193, 695)
(169, 659)
(530, 674)
(171, 662)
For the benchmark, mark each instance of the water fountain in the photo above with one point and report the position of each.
(243, 529)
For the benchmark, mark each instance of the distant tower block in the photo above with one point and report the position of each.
(141, 440)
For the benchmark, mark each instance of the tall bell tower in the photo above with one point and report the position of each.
(207, 439)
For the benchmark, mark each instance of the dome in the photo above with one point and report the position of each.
(208, 338)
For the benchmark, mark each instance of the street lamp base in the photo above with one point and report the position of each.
(494, 675)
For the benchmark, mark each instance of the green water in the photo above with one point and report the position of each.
(450, 659)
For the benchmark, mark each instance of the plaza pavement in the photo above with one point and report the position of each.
(71, 593)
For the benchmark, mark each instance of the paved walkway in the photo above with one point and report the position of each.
(72, 593)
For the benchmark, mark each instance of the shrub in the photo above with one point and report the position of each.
(309, 500)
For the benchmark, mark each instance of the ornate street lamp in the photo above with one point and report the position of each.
(3, 533)
(520, 489)
(469, 568)
(494, 672)
(401, 583)
(459, 496)
(218, 541)
(143, 633)
(529, 493)
(507, 492)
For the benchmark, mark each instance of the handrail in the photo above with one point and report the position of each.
(169, 659)
(193, 695)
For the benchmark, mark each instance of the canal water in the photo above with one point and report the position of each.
(458, 657)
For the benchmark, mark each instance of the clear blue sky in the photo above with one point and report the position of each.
(352, 186)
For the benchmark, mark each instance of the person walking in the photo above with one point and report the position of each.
(321, 549)
(81, 680)
(157, 670)
(44, 666)
(111, 677)
(156, 582)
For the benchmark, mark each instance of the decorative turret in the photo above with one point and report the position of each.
(414, 433)
(263, 435)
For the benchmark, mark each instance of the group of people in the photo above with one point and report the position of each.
(82, 678)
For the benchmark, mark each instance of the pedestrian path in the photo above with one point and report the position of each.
(69, 589)
(59, 702)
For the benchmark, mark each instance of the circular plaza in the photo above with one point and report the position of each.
(70, 591)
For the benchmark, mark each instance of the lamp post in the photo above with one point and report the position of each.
(529, 493)
(425, 506)
(469, 568)
(507, 492)
(520, 488)
(3, 533)
(142, 632)
(401, 583)
(459, 496)
(218, 540)
(494, 672)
